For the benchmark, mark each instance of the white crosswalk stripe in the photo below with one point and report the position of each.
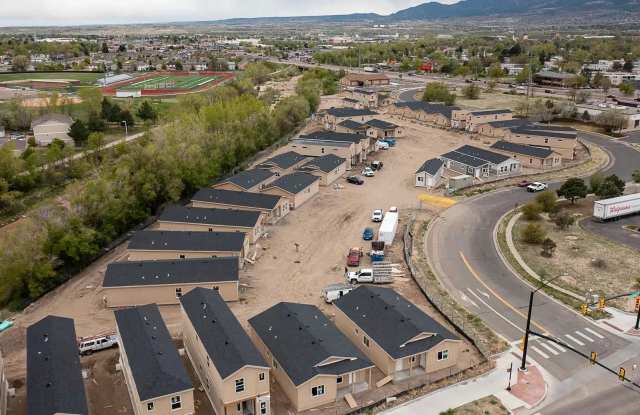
(573, 339)
(595, 333)
(557, 346)
(584, 336)
(549, 348)
(540, 352)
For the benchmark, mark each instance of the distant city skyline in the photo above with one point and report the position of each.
(88, 12)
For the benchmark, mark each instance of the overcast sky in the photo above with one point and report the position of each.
(75, 12)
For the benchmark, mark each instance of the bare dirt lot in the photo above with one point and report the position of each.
(325, 227)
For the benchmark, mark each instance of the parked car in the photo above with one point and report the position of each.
(367, 235)
(332, 292)
(377, 165)
(353, 257)
(355, 180)
(393, 209)
(390, 140)
(88, 345)
(382, 145)
(524, 183)
(377, 215)
(368, 172)
(536, 187)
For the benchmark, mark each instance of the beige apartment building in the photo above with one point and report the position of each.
(297, 187)
(199, 219)
(364, 80)
(471, 120)
(562, 142)
(362, 144)
(398, 337)
(283, 163)
(164, 282)
(435, 114)
(232, 372)
(333, 116)
(529, 156)
(247, 181)
(328, 168)
(156, 379)
(272, 207)
(325, 366)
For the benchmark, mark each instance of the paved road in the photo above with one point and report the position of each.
(614, 230)
(464, 256)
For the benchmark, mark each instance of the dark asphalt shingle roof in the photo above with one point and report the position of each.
(320, 142)
(325, 163)
(171, 271)
(545, 133)
(431, 166)
(54, 374)
(428, 107)
(464, 159)
(294, 183)
(210, 216)
(352, 125)
(222, 336)
(333, 136)
(490, 112)
(236, 198)
(363, 91)
(284, 160)
(555, 75)
(522, 149)
(155, 365)
(187, 241)
(391, 321)
(249, 178)
(482, 154)
(300, 337)
(514, 123)
(383, 125)
(349, 112)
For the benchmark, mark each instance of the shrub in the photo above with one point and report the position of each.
(471, 91)
(548, 246)
(547, 201)
(599, 263)
(595, 182)
(636, 176)
(564, 220)
(533, 233)
(531, 211)
(438, 92)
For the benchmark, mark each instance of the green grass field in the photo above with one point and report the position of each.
(86, 78)
(170, 82)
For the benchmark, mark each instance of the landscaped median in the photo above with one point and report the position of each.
(584, 267)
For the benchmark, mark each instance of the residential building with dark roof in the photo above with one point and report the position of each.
(401, 339)
(314, 363)
(163, 282)
(247, 181)
(333, 116)
(364, 80)
(529, 156)
(362, 144)
(479, 162)
(54, 374)
(156, 378)
(366, 98)
(351, 127)
(471, 120)
(501, 129)
(562, 141)
(154, 245)
(283, 163)
(233, 373)
(313, 147)
(380, 129)
(554, 78)
(198, 219)
(437, 114)
(429, 174)
(328, 168)
(272, 207)
(297, 187)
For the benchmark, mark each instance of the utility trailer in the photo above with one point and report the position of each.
(616, 207)
(388, 228)
(379, 273)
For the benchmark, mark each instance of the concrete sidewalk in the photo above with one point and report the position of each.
(493, 383)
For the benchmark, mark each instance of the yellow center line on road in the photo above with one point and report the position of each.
(505, 302)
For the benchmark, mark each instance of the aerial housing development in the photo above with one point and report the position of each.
(238, 208)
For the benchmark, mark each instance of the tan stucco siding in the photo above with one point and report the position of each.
(566, 148)
(298, 199)
(163, 294)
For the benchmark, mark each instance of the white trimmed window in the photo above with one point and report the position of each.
(176, 403)
(240, 385)
(317, 390)
(443, 354)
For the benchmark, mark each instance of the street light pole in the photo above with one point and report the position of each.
(126, 130)
(638, 317)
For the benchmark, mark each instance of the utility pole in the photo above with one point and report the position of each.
(638, 316)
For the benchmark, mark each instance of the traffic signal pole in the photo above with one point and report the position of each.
(523, 366)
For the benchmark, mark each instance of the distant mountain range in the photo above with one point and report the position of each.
(464, 8)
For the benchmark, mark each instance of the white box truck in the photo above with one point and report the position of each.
(388, 228)
(616, 207)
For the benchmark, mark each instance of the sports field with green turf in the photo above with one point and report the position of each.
(170, 82)
(85, 78)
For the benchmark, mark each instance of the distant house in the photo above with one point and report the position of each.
(50, 127)
(396, 335)
(379, 129)
(563, 140)
(351, 127)
(272, 207)
(197, 219)
(365, 97)
(364, 80)
(554, 78)
(298, 187)
(478, 162)
(233, 374)
(501, 129)
(349, 150)
(471, 120)
(328, 168)
(313, 362)
(247, 181)
(149, 245)
(334, 116)
(157, 380)
(54, 374)
(529, 156)
(436, 114)
(163, 282)
(430, 173)
(283, 163)
(362, 144)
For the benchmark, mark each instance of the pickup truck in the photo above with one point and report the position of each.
(380, 273)
(353, 258)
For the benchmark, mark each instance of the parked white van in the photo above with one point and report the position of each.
(332, 292)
